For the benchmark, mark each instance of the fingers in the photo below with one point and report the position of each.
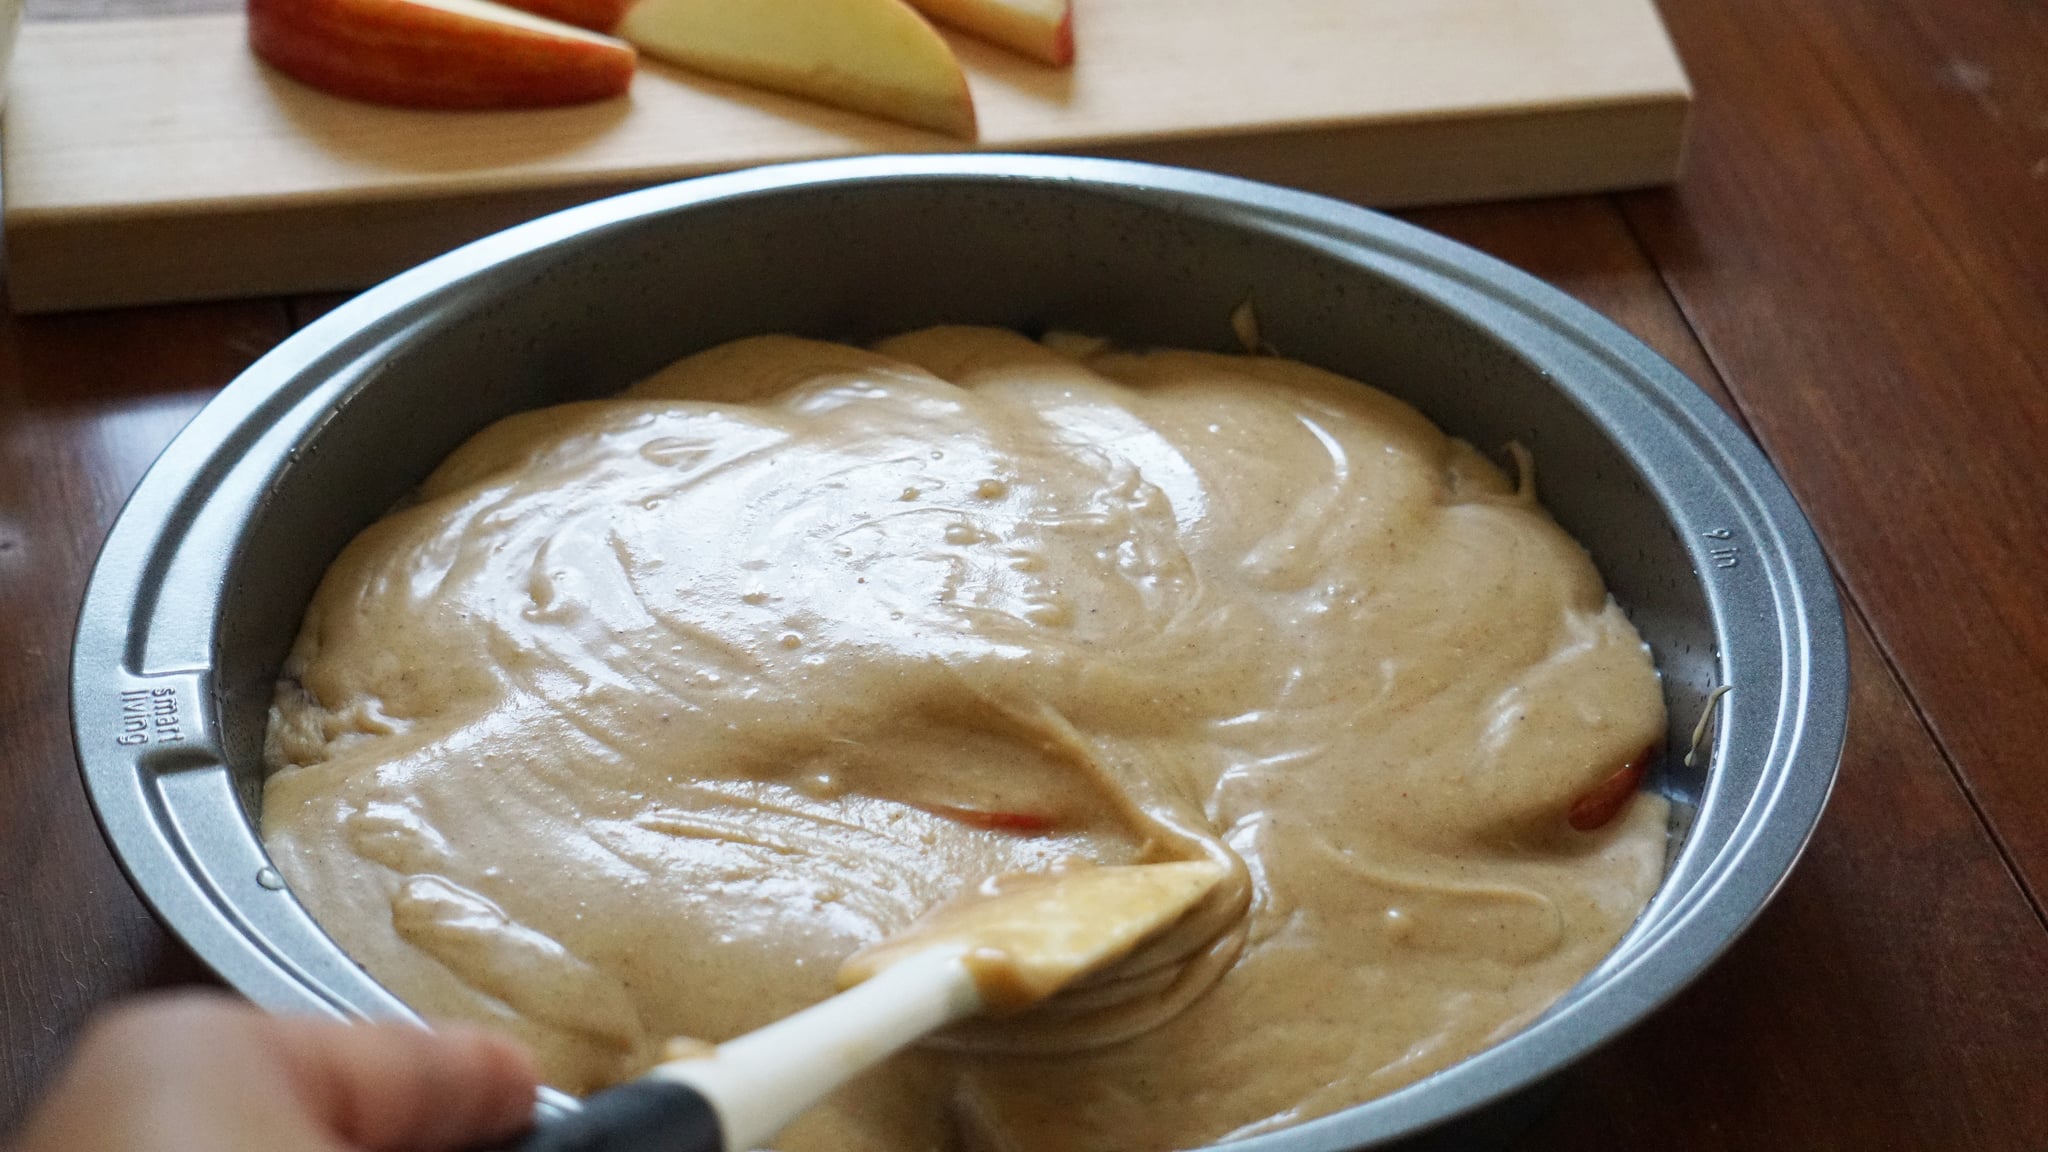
(191, 1072)
(201, 1072)
(398, 1088)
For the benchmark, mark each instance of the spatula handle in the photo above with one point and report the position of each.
(743, 1095)
(640, 1116)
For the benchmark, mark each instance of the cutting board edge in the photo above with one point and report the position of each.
(515, 181)
(55, 261)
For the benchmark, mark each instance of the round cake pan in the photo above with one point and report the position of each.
(202, 582)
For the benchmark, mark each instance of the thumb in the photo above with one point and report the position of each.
(391, 1087)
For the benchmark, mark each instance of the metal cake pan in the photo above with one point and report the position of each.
(202, 582)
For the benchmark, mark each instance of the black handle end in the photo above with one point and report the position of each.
(642, 1116)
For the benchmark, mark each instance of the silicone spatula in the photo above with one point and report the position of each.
(1011, 943)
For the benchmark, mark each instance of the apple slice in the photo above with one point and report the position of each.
(1040, 29)
(1601, 803)
(437, 53)
(874, 56)
(596, 15)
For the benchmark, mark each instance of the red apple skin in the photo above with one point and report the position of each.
(1019, 823)
(1063, 43)
(1601, 803)
(596, 15)
(414, 56)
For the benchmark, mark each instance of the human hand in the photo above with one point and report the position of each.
(201, 1072)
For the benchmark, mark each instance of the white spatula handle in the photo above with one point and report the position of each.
(741, 1096)
(761, 1081)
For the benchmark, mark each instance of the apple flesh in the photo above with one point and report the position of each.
(438, 53)
(1040, 29)
(873, 56)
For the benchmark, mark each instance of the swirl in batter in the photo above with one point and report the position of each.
(651, 710)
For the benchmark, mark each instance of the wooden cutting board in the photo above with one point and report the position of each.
(153, 159)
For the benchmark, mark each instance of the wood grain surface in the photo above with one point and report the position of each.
(86, 402)
(1862, 247)
(1890, 997)
(1854, 263)
(166, 138)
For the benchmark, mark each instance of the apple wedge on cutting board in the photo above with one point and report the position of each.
(874, 56)
(438, 53)
(1040, 29)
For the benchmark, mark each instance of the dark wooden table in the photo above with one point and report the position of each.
(1856, 265)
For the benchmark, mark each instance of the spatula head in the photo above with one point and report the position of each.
(1026, 935)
